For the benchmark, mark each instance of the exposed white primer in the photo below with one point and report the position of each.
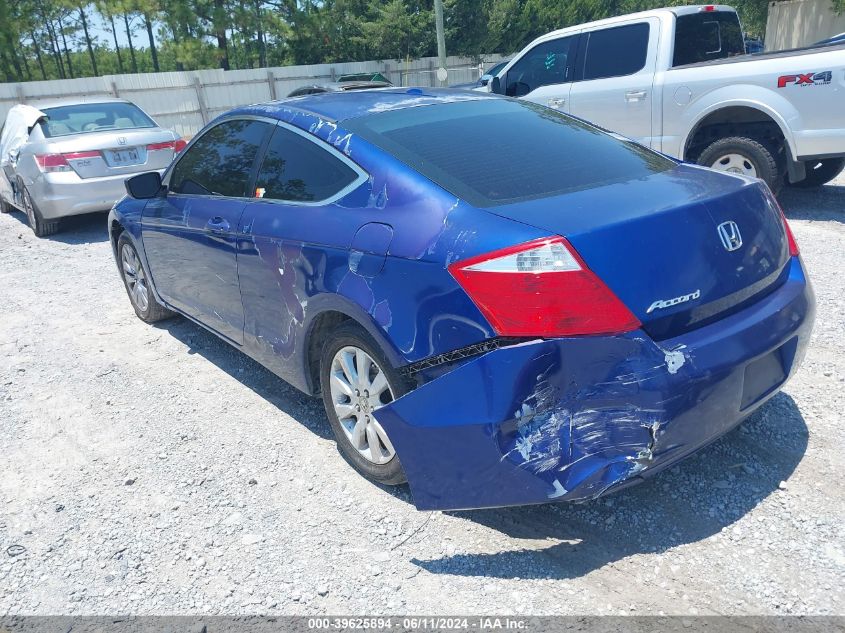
(675, 360)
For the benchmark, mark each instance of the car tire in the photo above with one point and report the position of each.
(820, 172)
(136, 281)
(5, 207)
(740, 154)
(345, 410)
(39, 226)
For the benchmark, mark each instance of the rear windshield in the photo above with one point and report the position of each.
(707, 35)
(499, 151)
(93, 117)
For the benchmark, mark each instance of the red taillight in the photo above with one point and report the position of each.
(177, 146)
(52, 162)
(542, 288)
(790, 238)
(793, 245)
(73, 155)
(708, 7)
(49, 163)
(165, 145)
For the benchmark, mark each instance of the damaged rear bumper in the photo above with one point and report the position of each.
(571, 419)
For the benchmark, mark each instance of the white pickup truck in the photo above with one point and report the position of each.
(678, 80)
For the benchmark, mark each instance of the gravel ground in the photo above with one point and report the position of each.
(155, 470)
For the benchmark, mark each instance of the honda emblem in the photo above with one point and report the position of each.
(730, 235)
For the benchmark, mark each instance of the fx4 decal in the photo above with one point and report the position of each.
(806, 79)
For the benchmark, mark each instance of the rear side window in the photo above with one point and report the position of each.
(526, 151)
(545, 64)
(707, 35)
(616, 52)
(220, 162)
(299, 170)
(93, 117)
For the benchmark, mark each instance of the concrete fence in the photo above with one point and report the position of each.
(185, 101)
(795, 23)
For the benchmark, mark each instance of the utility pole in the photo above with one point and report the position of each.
(442, 74)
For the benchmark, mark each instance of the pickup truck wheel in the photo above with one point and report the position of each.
(742, 155)
(356, 379)
(820, 172)
(136, 281)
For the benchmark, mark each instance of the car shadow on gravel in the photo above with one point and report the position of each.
(83, 229)
(307, 410)
(823, 203)
(76, 229)
(694, 500)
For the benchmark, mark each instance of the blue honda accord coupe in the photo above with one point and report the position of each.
(550, 313)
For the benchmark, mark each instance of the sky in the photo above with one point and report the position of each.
(98, 31)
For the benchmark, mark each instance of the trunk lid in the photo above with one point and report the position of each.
(657, 243)
(116, 152)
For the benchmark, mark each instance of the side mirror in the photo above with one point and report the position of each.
(496, 85)
(485, 79)
(144, 186)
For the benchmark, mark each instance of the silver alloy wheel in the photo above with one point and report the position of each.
(135, 279)
(359, 387)
(735, 164)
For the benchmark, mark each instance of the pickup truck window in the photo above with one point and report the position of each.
(616, 52)
(545, 64)
(700, 37)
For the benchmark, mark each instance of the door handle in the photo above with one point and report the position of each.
(635, 95)
(556, 102)
(217, 225)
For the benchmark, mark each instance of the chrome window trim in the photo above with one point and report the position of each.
(362, 176)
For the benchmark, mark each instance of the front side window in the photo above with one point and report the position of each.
(616, 52)
(299, 170)
(545, 64)
(220, 162)
(93, 117)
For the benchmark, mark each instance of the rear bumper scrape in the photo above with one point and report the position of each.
(570, 419)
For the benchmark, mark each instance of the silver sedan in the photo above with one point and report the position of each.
(67, 158)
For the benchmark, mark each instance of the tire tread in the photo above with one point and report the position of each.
(769, 168)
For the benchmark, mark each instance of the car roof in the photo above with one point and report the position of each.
(56, 103)
(338, 86)
(338, 106)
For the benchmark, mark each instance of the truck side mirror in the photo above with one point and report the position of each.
(144, 186)
(496, 85)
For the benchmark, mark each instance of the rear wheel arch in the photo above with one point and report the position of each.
(320, 327)
(115, 230)
(736, 121)
(315, 337)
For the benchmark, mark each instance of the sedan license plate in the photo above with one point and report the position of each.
(121, 157)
